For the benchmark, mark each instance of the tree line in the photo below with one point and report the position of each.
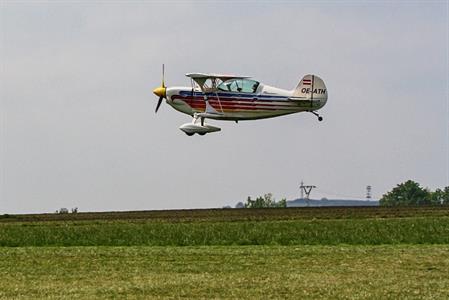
(264, 201)
(411, 193)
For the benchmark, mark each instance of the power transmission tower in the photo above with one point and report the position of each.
(306, 189)
(368, 192)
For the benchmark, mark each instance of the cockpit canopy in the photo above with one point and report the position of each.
(240, 85)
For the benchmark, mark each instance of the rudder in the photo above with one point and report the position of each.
(311, 87)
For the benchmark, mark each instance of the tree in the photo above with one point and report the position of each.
(265, 201)
(407, 193)
(440, 196)
(282, 203)
(445, 195)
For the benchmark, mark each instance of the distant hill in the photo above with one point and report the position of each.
(331, 202)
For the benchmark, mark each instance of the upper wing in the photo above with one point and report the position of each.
(205, 76)
(215, 79)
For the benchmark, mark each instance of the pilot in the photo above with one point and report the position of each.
(255, 87)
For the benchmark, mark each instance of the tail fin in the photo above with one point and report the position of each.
(311, 87)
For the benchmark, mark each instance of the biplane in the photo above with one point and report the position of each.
(238, 98)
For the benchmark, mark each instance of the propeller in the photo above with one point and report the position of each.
(159, 104)
(161, 91)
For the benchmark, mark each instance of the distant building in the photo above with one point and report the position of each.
(240, 205)
(330, 202)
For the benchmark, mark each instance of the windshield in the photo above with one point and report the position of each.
(239, 85)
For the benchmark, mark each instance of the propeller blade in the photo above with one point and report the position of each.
(158, 104)
(163, 75)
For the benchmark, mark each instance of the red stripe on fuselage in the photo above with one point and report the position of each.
(235, 104)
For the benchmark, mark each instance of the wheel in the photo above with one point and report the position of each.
(190, 133)
(320, 118)
(202, 133)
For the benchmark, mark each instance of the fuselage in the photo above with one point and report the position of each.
(264, 102)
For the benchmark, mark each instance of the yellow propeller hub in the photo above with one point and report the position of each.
(160, 91)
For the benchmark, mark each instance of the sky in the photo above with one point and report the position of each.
(77, 121)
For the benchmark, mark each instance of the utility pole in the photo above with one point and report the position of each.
(306, 189)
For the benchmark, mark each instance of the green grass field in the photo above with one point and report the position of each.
(429, 230)
(335, 272)
(336, 253)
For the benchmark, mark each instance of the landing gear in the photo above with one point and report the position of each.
(198, 119)
(320, 118)
(198, 125)
(192, 133)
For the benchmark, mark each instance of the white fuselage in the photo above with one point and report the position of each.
(265, 102)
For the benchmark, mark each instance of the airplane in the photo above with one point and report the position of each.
(238, 98)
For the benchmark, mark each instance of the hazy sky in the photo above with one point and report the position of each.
(78, 127)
